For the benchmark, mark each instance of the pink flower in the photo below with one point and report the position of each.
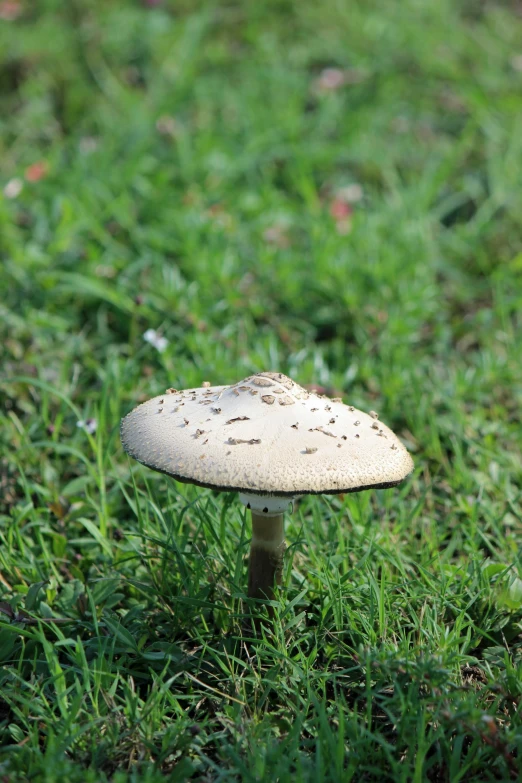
(330, 79)
(37, 171)
(340, 209)
(10, 10)
(341, 212)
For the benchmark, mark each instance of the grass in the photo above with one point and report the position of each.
(187, 159)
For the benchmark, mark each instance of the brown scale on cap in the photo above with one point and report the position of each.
(325, 432)
(259, 380)
(279, 377)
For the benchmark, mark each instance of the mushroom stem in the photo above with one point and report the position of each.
(266, 555)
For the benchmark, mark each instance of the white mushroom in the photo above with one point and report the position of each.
(252, 445)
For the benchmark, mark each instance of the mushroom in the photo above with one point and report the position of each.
(271, 448)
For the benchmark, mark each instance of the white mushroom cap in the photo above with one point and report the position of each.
(264, 436)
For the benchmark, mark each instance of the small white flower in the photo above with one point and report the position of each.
(351, 193)
(160, 343)
(13, 188)
(516, 62)
(89, 425)
(88, 144)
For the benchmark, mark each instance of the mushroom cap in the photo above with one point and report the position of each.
(264, 435)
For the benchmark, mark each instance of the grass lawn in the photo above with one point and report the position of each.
(327, 189)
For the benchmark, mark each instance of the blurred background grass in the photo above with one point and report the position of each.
(331, 190)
